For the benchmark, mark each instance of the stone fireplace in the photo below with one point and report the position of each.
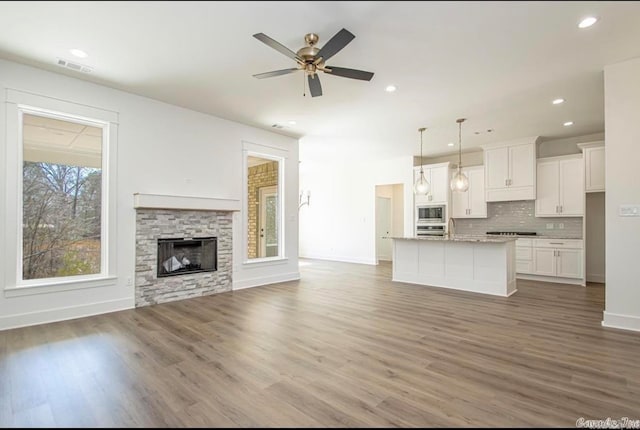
(192, 235)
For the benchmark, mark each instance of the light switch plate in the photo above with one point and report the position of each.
(561, 225)
(629, 210)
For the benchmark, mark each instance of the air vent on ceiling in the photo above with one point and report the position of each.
(74, 66)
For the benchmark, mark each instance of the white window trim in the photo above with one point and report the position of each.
(269, 153)
(19, 103)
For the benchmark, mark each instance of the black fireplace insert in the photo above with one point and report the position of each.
(180, 256)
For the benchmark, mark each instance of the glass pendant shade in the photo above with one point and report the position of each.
(459, 182)
(421, 186)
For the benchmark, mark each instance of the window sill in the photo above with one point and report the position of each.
(58, 286)
(258, 262)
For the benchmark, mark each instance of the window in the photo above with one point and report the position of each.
(264, 207)
(62, 197)
(58, 177)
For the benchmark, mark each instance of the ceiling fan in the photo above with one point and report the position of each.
(311, 59)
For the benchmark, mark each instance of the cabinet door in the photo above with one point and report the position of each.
(521, 165)
(544, 261)
(460, 203)
(477, 198)
(570, 263)
(594, 163)
(420, 198)
(571, 187)
(496, 164)
(439, 184)
(547, 198)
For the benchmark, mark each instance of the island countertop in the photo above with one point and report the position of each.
(462, 238)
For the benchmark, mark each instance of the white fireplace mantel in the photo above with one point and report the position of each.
(160, 201)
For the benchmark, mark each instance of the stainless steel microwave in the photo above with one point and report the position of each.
(431, 214)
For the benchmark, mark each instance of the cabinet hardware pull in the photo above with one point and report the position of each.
(560, 208)
(556, 243)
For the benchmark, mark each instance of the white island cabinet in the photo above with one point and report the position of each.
(472, 263)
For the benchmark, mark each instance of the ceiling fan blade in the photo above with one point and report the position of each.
(275, 73)
(335, 44)
(314, 85)
(277, 46)
(349, 73)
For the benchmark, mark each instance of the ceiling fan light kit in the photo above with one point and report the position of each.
(311, 59)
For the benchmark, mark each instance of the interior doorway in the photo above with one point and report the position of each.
(389, 218)
(383, 228)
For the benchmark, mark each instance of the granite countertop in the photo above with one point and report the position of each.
(463, 238)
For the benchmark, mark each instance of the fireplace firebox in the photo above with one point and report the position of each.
(187, 255)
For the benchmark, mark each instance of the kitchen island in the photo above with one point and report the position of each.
(481, 264)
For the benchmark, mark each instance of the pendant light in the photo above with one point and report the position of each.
(459, 182)
(421, 186)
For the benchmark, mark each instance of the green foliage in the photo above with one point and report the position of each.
(72, 264)
(61, 224)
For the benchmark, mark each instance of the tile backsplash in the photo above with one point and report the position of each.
(519, 216)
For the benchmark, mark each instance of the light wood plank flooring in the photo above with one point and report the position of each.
(343, 347)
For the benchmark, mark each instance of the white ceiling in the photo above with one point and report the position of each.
(57, 141)
(499, 64)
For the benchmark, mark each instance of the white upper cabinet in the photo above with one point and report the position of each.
(510, 170)
(471, 203)
(560, 187)
(593, 166)
(438, 177)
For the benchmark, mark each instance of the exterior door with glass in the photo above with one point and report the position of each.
(268, 233)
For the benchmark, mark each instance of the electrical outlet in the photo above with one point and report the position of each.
(470, 225)
(561, 226)
(129, 282)
(550, 226)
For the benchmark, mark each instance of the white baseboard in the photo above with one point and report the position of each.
(553, 279)
(371, 262)
(596, 277)
(265, 280)
(62, 314)
(624, 322)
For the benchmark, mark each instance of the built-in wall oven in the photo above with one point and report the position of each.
(431, 214)
(429, 230)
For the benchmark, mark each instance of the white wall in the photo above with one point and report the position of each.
(339, 224)
(622, 149)
(162, 149)
(595, 237)
(569, 145)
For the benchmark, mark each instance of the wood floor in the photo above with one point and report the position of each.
(344, 347)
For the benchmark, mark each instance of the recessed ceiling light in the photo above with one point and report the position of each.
(450, 144)
(568, 123)
(588, 22)
(390, 88)
(292, 122)
(78, 53)
(558, 101)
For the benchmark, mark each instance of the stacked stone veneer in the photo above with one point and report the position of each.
(262, 175)
(154, 224)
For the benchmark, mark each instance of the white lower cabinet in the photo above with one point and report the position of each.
(554, 258)
(569, 263)
(524, 256)
(544, 261)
